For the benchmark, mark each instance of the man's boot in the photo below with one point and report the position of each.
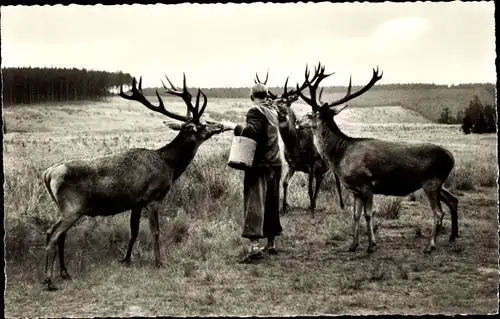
(254, 253)
(271, 246)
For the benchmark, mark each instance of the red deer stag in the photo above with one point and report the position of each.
(300, 153)
(368, 166)
(131, 180)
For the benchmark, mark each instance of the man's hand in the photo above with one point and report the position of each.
(229, 125)
(238, 130)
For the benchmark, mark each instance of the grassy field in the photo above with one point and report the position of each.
(201, 227)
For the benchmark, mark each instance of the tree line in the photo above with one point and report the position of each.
(28, 85)
(244, 92)
(477, 118)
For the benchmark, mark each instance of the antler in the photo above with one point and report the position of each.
(257, 80)
(287, 93)
(319, 75)
(349, 96)
(187, 98)
(138, 96)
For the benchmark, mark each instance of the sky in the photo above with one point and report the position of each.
(224, 45)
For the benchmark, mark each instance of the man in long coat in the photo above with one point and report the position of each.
(262, 181)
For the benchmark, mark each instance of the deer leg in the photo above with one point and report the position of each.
(135, 218)
(339, 191)
(49, 232)
(452, 202)
(63, 272)
(358, 207)
(319, 180)
(50, 249)
(48, 236)
(369, 221)
(155, 231)
(433, 196)
(289, 174)
(310, 189)
(440, 221)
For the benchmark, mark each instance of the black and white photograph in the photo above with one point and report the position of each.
(250, 159)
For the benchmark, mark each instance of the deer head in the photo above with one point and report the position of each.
(284, 102)
(328, 109)
(193, 128)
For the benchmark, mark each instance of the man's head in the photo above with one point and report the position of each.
(258, 91)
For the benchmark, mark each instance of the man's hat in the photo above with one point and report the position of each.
(259, 88)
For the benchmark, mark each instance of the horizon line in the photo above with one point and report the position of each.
(334, 86)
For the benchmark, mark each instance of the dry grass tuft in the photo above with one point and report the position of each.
(464, 179)
(180, 227)
(390, 208)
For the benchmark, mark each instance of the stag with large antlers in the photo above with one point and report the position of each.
(368, 166)
(300, 152)
(131, 180)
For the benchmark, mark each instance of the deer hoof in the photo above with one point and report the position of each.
(48, 285)
(370, 249)
(159, 264)
(429, 249)
(64, 275)
(125, 261)
(352, 248)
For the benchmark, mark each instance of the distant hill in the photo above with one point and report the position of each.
(429, 100)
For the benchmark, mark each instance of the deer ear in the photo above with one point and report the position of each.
(173, 125)
(338, 108)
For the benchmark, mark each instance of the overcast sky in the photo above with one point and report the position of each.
(225, 44)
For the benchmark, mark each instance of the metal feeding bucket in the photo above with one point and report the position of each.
(242, 153)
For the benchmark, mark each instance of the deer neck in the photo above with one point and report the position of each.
(329, 139)
(179, 153)
(289, 135)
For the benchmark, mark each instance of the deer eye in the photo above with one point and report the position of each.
(191, 127)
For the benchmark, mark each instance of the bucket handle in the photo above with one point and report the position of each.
(241, 133)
